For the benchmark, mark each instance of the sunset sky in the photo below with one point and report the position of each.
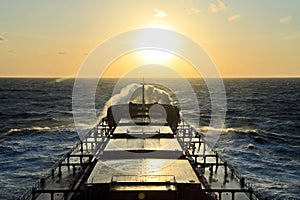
(244, 38)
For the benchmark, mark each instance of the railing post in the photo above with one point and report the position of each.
(242, 182)
(217, 161)
(220, 195)
(33, 193)
(59, 170)
(52, 172)
(42, 182)
(225, 169)
(68, 161)
(86, 144)
(65, 195)
(52, 195)
(211, 169)
(81, 147)
(74, 170)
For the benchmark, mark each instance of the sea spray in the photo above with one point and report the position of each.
(133, 93)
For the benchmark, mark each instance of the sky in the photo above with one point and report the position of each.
(244, 38)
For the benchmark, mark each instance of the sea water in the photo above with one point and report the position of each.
(37, 128)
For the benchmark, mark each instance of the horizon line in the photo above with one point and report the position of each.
(112, 77)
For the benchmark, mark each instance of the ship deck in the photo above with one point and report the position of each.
(79, 168)
(143, 172)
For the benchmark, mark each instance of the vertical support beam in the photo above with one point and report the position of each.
(59, 170)
(33, 193)
(96, 135)
(74, 170)
(242, 182)
(65, 195)
(211, 169)
(193, 148)
(80, 158)
(251, 192)
(68, 161)
(220, 195)
(232, 195)
(42, 182)
(81, 146)
(199, 142)
(86, 144)
(52, 172)
(225, 169)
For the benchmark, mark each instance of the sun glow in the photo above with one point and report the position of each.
(154, 56)
(159, 24)
(149, 54)
(151, 37)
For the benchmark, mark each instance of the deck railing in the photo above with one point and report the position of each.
(147, 179)
(245, 183)
(37, 188)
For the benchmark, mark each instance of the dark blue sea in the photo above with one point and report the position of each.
(37, 128)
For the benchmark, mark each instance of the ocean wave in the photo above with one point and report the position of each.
(18, 130)
(259, 136)
(205, 129)
(39, 129)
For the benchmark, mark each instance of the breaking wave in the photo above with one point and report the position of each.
(133, 93)
(38, 129)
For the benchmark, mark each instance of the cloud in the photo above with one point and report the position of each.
(192, 11)
(219, 6)
(213, 8)
(62, 53)
(285, 20)
(159, 14)
(233, 18)
(2, 39)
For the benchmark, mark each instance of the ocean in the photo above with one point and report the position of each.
(37, 128)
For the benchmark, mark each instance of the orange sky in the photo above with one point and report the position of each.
(244, 39)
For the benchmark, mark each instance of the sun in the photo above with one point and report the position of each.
(154, 56)
(150, 38)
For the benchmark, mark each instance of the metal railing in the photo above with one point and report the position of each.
(38, 185)
(148, 179)
(247, 186)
